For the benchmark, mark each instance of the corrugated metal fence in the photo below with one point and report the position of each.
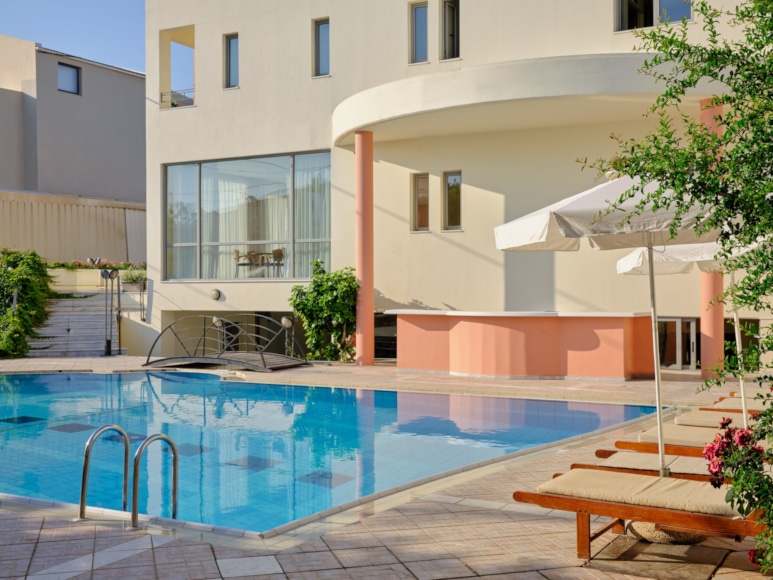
(63, 228)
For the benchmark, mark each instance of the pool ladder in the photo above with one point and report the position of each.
(135, 480)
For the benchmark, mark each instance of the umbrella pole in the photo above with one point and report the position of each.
(738, 347)
(664, 471)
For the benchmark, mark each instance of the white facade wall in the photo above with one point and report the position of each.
(539, 84)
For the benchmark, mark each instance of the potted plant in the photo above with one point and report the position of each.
(134, 280)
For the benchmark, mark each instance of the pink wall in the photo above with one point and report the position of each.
(526, 346)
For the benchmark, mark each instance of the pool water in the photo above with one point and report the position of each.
(255, 456)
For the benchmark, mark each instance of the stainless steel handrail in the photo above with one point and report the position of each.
(87, 461)
(136, 475)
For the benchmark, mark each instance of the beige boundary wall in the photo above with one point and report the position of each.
(64, 228)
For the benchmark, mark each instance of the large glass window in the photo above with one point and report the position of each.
(644, 13)
(69, 79)
(321, 48)
(450, 29)
(419, 33)
(232, 60)
(263, 217)
(452, 200)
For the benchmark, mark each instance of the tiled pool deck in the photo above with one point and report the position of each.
(464, 526)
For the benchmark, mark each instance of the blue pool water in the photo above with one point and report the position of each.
(256, 456)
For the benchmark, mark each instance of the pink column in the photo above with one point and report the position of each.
(712, 323)
(363, 233)
(712, 316)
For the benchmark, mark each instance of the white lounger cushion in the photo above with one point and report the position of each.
(708, 419)
(735, 403)
(642, 490)
(651, 462)
(680, 435)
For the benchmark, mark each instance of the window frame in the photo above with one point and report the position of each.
(317, 63)
(446, 226)
(291, 243)
(78, 77)
(621, 12)
(229, 57)
(413, 38)
(416, 212)
(455, 47)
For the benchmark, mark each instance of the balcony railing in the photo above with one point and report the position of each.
(178, 98)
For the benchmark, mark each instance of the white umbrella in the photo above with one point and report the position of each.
(561, 226)
(680, 259)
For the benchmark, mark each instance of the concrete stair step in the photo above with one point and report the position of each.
(75, 327)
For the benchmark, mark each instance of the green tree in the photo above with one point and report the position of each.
(729, 172)
(328, 309)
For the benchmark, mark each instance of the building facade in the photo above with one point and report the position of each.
(72, 161)
(478, 113)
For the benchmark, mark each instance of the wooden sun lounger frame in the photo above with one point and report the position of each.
(668, 449)
(652, 472)
(667, 519)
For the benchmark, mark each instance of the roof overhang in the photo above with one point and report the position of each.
(524, 94)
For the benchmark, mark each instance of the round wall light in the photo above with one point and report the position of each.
(215, 294)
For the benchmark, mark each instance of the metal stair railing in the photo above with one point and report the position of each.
(87, 462)
(136, 475)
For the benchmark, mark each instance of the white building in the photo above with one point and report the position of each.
(72, 155)
(477, 110)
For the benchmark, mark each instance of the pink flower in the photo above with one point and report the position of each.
(715, 466)
(725, 422)
(742, 437)
(753, 557)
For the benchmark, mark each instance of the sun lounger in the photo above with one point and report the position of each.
(708, 418)
(735, 403)
(674, 504)
(677, 440)
(694, 468)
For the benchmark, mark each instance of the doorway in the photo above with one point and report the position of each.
(678, 343)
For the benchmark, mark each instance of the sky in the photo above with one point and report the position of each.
(107, 31)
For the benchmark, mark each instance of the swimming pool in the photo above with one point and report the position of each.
(256, 456)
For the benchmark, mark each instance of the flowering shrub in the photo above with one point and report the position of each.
(24, 275)
(737, 456)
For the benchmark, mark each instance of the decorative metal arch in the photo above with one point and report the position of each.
(245, 340)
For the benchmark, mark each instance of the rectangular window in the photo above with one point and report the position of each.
(421, 202)
(69, 79)
(452, 200)
(232, 61)
(262, 217)
(419, 33)
(321, 48)
(451, 29)
(645, 13)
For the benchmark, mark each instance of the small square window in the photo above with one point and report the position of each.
(69, 79)
(232, 61)
(419, 33)
(451, 29)
(420, 204)
(632, 14)
(321, 48)
(452, 200)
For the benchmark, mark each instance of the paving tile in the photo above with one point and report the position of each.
(365, 557)
(258, 565)
(439, 569)
(306, 561)
(363, 539)
(419, 552)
